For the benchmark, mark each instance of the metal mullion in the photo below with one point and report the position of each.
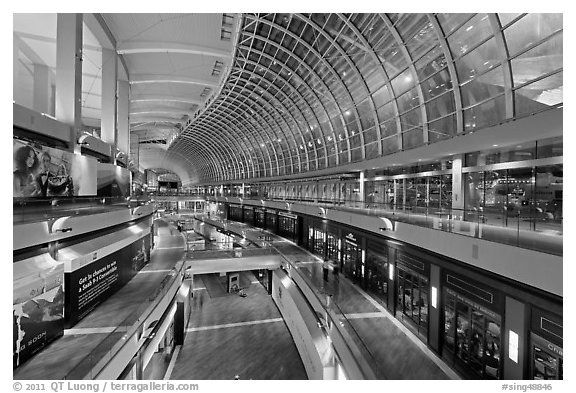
(279, 91)
(244, 124)
(329, 67)
(216, 152)
(443, 42)
(506, 65)
(265, 132)
(260, 53)
(412, 68)
(215, 118)
(198, 151)
(352, 66)
(259, 132)
(229, 138)
(311, 71)
(287, 83)
(225, 150)
(287, 98)
(388, 82)
(221, 116)
(179, 153)
(224, 135)
(286, 110)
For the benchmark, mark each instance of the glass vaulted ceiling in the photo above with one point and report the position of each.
(311, 91)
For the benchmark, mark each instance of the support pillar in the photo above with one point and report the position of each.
(123, 140)
(15, 67)
(109, 78)
(42, 90)
(69, 74)
(458, 186)
(362, 193)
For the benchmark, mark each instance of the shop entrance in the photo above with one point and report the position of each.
(471, 337)
(352, 261)
(412, 300)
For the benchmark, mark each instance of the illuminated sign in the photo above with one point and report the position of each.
(513, 346)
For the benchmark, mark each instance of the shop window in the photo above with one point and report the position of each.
(412, 299)
(472, 337)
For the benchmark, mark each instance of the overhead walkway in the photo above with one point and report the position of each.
(391, 350)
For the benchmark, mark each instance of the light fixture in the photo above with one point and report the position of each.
(434, 297)
(513, 346)
(391, 272)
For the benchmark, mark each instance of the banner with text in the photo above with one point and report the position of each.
(90, 285)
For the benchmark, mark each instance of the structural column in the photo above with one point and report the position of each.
(123, 138)
(361, 196)
(15, 67)
(458, 185)
(42, 90)
(69, 74)
(109, 79)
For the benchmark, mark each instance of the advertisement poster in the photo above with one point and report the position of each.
(113, 181)
(38, 306)
(92, 284)
(40, 171)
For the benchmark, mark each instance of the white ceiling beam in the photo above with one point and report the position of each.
(156, 78)
(152, 118)
(128, 48)
(167, 99)
(168, 110)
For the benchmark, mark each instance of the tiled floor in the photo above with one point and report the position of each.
(63, 355)
(229, 335)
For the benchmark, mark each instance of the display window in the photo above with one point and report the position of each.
(318, 242)
(546, 359)
(259, 217)
(352, 258)
(377, 270)
(332, 246)
(249, 216)
(271, 218)
(472, 336)
(412, 299)
(287, 226)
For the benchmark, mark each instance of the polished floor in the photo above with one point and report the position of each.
(232, 337)
(393, 351)
(72, 355)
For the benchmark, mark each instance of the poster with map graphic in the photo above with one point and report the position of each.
(38, 306)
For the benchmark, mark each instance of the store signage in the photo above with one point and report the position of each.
(473, 304)
(351, 239)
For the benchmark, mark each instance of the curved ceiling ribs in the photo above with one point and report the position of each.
(310, 91)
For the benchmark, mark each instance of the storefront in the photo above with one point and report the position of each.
(546, 346)
(472, 340)
(235, 213)
(352, 263)
(259, 218)
(316, 240)
(271, 220)
(249, 215)
(287, 226)
(412, 292)
(377, 269)
(333, 244)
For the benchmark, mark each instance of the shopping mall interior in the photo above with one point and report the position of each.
(276, 196)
